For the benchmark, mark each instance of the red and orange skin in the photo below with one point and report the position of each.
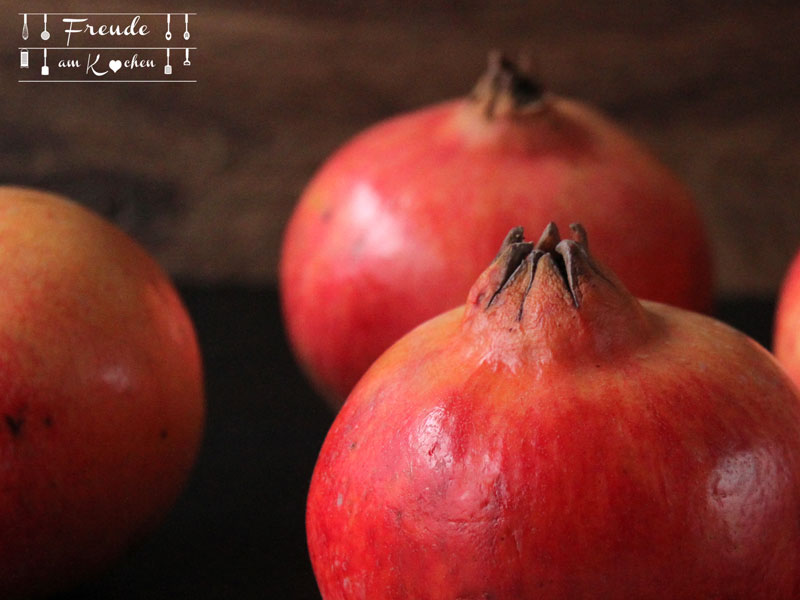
(787, 322)
(379, 241)
(101, 396)
(557, 440)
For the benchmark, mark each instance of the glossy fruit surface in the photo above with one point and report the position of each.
(101, 399)
(380, 240)
(556, 439)
(787, 322)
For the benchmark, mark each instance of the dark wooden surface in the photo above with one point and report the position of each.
(238, 531)
(206, 174)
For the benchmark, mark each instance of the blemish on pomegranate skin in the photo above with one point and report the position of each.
(48, 421)
(14, 424)
(163, 434)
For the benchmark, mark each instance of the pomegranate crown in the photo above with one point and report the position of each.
(570, 257)
(506, 88)
(556, 295)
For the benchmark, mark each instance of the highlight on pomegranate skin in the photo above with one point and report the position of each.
(555, 439)
(369, 251)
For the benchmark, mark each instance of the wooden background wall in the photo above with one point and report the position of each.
(205, 174)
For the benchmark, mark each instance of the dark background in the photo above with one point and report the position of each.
(205, 176)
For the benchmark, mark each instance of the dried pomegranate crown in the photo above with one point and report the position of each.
(517, 257)
(571, 257)
(553, 298)
(507, 89)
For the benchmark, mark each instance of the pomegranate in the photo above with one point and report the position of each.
(555, 438)
(368, 253)
(101, 400)
(787, 322)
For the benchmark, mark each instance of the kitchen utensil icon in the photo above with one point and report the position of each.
(45, 33)
(24, 27)
(23, 58)
(167, 67)
(168, 35)
(45, 68)
(186, 62)
(186, 33)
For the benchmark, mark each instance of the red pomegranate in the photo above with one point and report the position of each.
(101, 393)
(380, 239)
(557, 439)
(787, 322)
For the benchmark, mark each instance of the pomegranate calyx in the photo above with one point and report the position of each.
(505, 89)
(553, 299)
(569, 258)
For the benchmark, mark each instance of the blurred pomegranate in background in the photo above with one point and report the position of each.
(787, 322)
(101, 393)
(381, 238)
(557, 439)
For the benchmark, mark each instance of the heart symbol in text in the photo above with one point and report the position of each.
(115, 65)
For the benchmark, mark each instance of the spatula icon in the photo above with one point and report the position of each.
(167, 67)
(45, 68)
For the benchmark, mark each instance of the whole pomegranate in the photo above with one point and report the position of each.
(556, 438)
(787, 322)
(369, 252)
(101, 399)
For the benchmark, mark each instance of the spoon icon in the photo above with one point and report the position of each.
(24, 27)
(186, 33)
(45, 33)
(168, 35)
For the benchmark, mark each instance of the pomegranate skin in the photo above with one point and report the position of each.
(101, 395)
(369, 251)
(616, 450)
(787, 322)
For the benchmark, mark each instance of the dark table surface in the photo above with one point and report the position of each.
(238, 530)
